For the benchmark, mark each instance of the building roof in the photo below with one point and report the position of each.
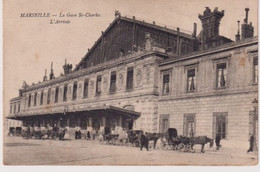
(98, 110)
(133, 20)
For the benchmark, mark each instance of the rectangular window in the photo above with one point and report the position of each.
(41, 101)
(255, 70)
(113, 82)
(29, 101)
(130, 78)
(49, 96)
(220, 124)
(14, 108)
(221, 75)
(85, 88)
(56, 94)
(98, 85)
(35, 99)
(164, 123)
(19, 107)
(65, 92)
(189, 125)
(11, 108)
(191, 80)
(166, 84)
(75, 87)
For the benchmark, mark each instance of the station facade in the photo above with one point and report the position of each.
(139, 75)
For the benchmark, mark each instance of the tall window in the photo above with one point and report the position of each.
(220, 124)
(41, 101)
(164, 123)
(113, 82)
(19, 107)
(56, 94)
(85, 88)
(255, 70)
(130, 78)
(98, 85)
(29, 101)
(35, 99)
(191, 80)
(14, 108)
(189, 125)
(11, 108)
(166, 84)
(221, 75)
(75, 87)
(49, 96)
(65, 92)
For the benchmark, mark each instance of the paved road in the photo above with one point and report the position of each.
(18, 151)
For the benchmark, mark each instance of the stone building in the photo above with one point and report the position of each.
(139, 75)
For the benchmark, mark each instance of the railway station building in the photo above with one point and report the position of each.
(140, 75)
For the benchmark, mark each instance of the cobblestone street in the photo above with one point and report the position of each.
(18, 151)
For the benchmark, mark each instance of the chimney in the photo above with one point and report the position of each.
(194, 30)
(238, 31)
(210, 26)
(178, 41)
(246, 19)
(45, 76)
(67, 67)
(51, 73)
(247, 30)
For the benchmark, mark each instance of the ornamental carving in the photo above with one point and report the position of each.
(105, 83)
(121, 68)
(120, 81)
(138, 77)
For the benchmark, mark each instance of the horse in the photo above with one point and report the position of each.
(202, 140)
(153, 137)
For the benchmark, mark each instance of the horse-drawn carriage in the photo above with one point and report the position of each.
(36, 133)
(172, 141)
(134, 137)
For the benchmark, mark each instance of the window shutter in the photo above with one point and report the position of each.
(214, 127)
(251, 122)
(160, 124)
(184, 125)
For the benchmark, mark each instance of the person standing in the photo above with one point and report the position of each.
(144, 141)
(251, 144)
(217, 141)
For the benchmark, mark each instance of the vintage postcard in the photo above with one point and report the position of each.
(95, 82)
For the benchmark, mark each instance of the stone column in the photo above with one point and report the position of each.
(78, 122)
(90, 124)
(103, 124)
(120, 124)
(58, 122)
(68, 122)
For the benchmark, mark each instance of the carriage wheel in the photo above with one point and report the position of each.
(165, 147)
(137, 143)
(181, 147)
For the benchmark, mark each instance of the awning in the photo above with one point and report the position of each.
(98, 110)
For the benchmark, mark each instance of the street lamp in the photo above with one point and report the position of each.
(255, 123)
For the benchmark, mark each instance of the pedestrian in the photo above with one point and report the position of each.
(217, 141)
(88, 135)
(251, 143)
(144, 141)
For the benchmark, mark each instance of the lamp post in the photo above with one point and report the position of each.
(255, 123)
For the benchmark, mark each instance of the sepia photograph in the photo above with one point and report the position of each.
(130, 83)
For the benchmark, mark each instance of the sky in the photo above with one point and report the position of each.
(31, 44)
